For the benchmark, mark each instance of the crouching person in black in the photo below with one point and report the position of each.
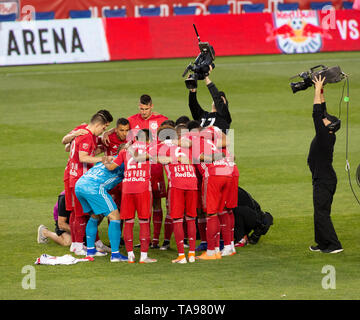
(324, 178)
(249, 218)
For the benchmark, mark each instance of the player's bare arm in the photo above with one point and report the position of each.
(72, 135)
(84, 157)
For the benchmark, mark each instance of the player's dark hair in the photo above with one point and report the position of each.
(102, 116)
(145, 99)
(122, 121)
(170, 123)
(179, 128)
(182, 120)
(193, 124)
(141, 133)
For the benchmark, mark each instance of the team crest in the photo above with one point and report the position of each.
(297, 31)
(153, 125)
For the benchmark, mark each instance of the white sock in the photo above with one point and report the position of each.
(227, 247)
(217, 249)
(131, 254)
(210, 252)
(143, 255)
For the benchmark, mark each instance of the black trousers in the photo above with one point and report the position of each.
(325, 235)
(245, 221)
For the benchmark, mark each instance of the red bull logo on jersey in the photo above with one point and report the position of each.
(297, 31)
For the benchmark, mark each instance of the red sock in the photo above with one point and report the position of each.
(179, 234)
(217, 235)
(168, 227)
(72, 226)
(202, 228)
(225, 227)
(191, 228)
(212, 226)
(128, 234)
(144, 235)
(157, 222)
(80, 228)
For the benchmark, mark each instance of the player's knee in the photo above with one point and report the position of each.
(114, 215)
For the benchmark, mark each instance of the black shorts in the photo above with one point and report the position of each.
(58, 231)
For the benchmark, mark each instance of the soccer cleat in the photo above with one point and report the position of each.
(191, 257)
(147, 260)
(204, 256)
(218, 255)
(180, 259)
(165, 245)
(80, 252)
(201, 247)
(227, 252)
(102, 248)
(94, 253)
(118, 257)
(40, 237)
(131, 259)
(243, 242)
(314, 248)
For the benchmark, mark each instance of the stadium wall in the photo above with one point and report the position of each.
(102, 39)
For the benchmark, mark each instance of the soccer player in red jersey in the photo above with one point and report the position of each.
(82, 158)
(136, 193)
(182, 191)
(216, 172)
(149, 119)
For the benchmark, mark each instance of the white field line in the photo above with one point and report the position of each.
(226, 65)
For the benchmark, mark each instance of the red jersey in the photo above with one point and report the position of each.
(114, 142)
(181, 176)
(86, 143)
(136, 174)
(152, 123)
(67, 168)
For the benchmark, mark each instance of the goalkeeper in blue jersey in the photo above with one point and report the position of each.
(92, 191)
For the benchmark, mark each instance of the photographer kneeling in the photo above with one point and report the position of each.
(249, 217)
(324, 178)
(219, 115)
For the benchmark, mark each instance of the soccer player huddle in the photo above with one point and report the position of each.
(119, 174)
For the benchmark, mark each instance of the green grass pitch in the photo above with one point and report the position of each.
(273, 130)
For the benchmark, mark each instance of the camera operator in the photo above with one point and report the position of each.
(219, 115)
(324, 178)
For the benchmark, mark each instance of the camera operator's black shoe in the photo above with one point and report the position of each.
(254, 238)
(328, 250)
(314, 248)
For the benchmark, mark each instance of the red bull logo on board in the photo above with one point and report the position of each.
(297, 31)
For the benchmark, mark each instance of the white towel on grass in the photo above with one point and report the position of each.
(65, 260)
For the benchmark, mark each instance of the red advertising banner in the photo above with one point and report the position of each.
(257, 33)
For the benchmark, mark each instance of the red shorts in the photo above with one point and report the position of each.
(182, 202)
(68, 197)
(215, 192)
(158, 182)
(76, 205)
(139, 202)
(232, 201)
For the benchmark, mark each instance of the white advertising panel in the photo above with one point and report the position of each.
(52, 41)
